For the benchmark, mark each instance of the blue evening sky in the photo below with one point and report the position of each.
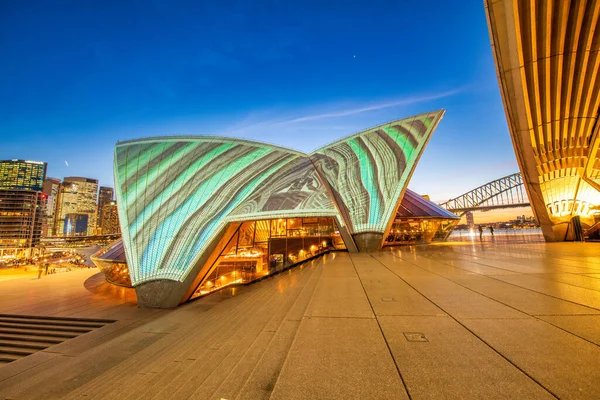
(78, 76)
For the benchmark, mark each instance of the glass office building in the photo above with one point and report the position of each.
(21, 218)
(78, 197)
(51, 191)
(109, 222)
(22, 175)
(22, 205)
(106, 195)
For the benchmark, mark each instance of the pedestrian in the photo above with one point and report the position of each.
(480, 232)
(47, 268)
(492, 230)
(40, 271)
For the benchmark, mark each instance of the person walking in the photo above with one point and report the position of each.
(492, 230)
(480, 232)
(40, 271)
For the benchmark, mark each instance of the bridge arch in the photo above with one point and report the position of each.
(505, 192)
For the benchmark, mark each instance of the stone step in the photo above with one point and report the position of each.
(222, 342)
(41, 333)
(31, 339)
(232, 381)
(44, 318)
(24, 344)
(16, 351)
(45, 327)
(222, 363)
(205, 328)
(8, 358)
(39, 321)
(263, 377)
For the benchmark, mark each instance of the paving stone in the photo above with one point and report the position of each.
(339, 358)
(564, 364)
(585, 326)
(451, 362)
(341, 327)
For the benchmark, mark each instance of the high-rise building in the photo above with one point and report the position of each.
(78, 205)
(107, 195)
(22, 175)
(50, 202)
(109, 224)
(21, 215)
(21, 220)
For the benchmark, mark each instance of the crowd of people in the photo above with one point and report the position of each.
(48, 264)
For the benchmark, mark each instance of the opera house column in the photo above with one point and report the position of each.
(368, 241)
(167, 293)
(162, 293)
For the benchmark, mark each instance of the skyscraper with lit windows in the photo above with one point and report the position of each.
(78, 206)
(50, 203)
(21, 200)
(106, 196)
(22, 175)
(109, 222)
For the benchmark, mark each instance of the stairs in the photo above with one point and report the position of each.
(22, 335)
(236, 349)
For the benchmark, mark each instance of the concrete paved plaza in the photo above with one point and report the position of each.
(456, 320)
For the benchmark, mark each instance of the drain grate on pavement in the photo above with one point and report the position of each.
(415, 337)
(388, 299)
(22, 335)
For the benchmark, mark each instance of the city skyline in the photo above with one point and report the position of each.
(298, 83)
(482, 217)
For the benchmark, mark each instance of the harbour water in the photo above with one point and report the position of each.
(526, 235)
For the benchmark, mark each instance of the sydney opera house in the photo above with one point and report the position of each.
(199, 213)
(547, 55)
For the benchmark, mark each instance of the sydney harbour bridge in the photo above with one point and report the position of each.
(506, 192)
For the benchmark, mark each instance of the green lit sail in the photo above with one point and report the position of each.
(176, 194)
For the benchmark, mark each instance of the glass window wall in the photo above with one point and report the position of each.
(419, 230)
(260, 248)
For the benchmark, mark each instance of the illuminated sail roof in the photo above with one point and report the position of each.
(547, 55)
(369, 171)
(177, 194)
